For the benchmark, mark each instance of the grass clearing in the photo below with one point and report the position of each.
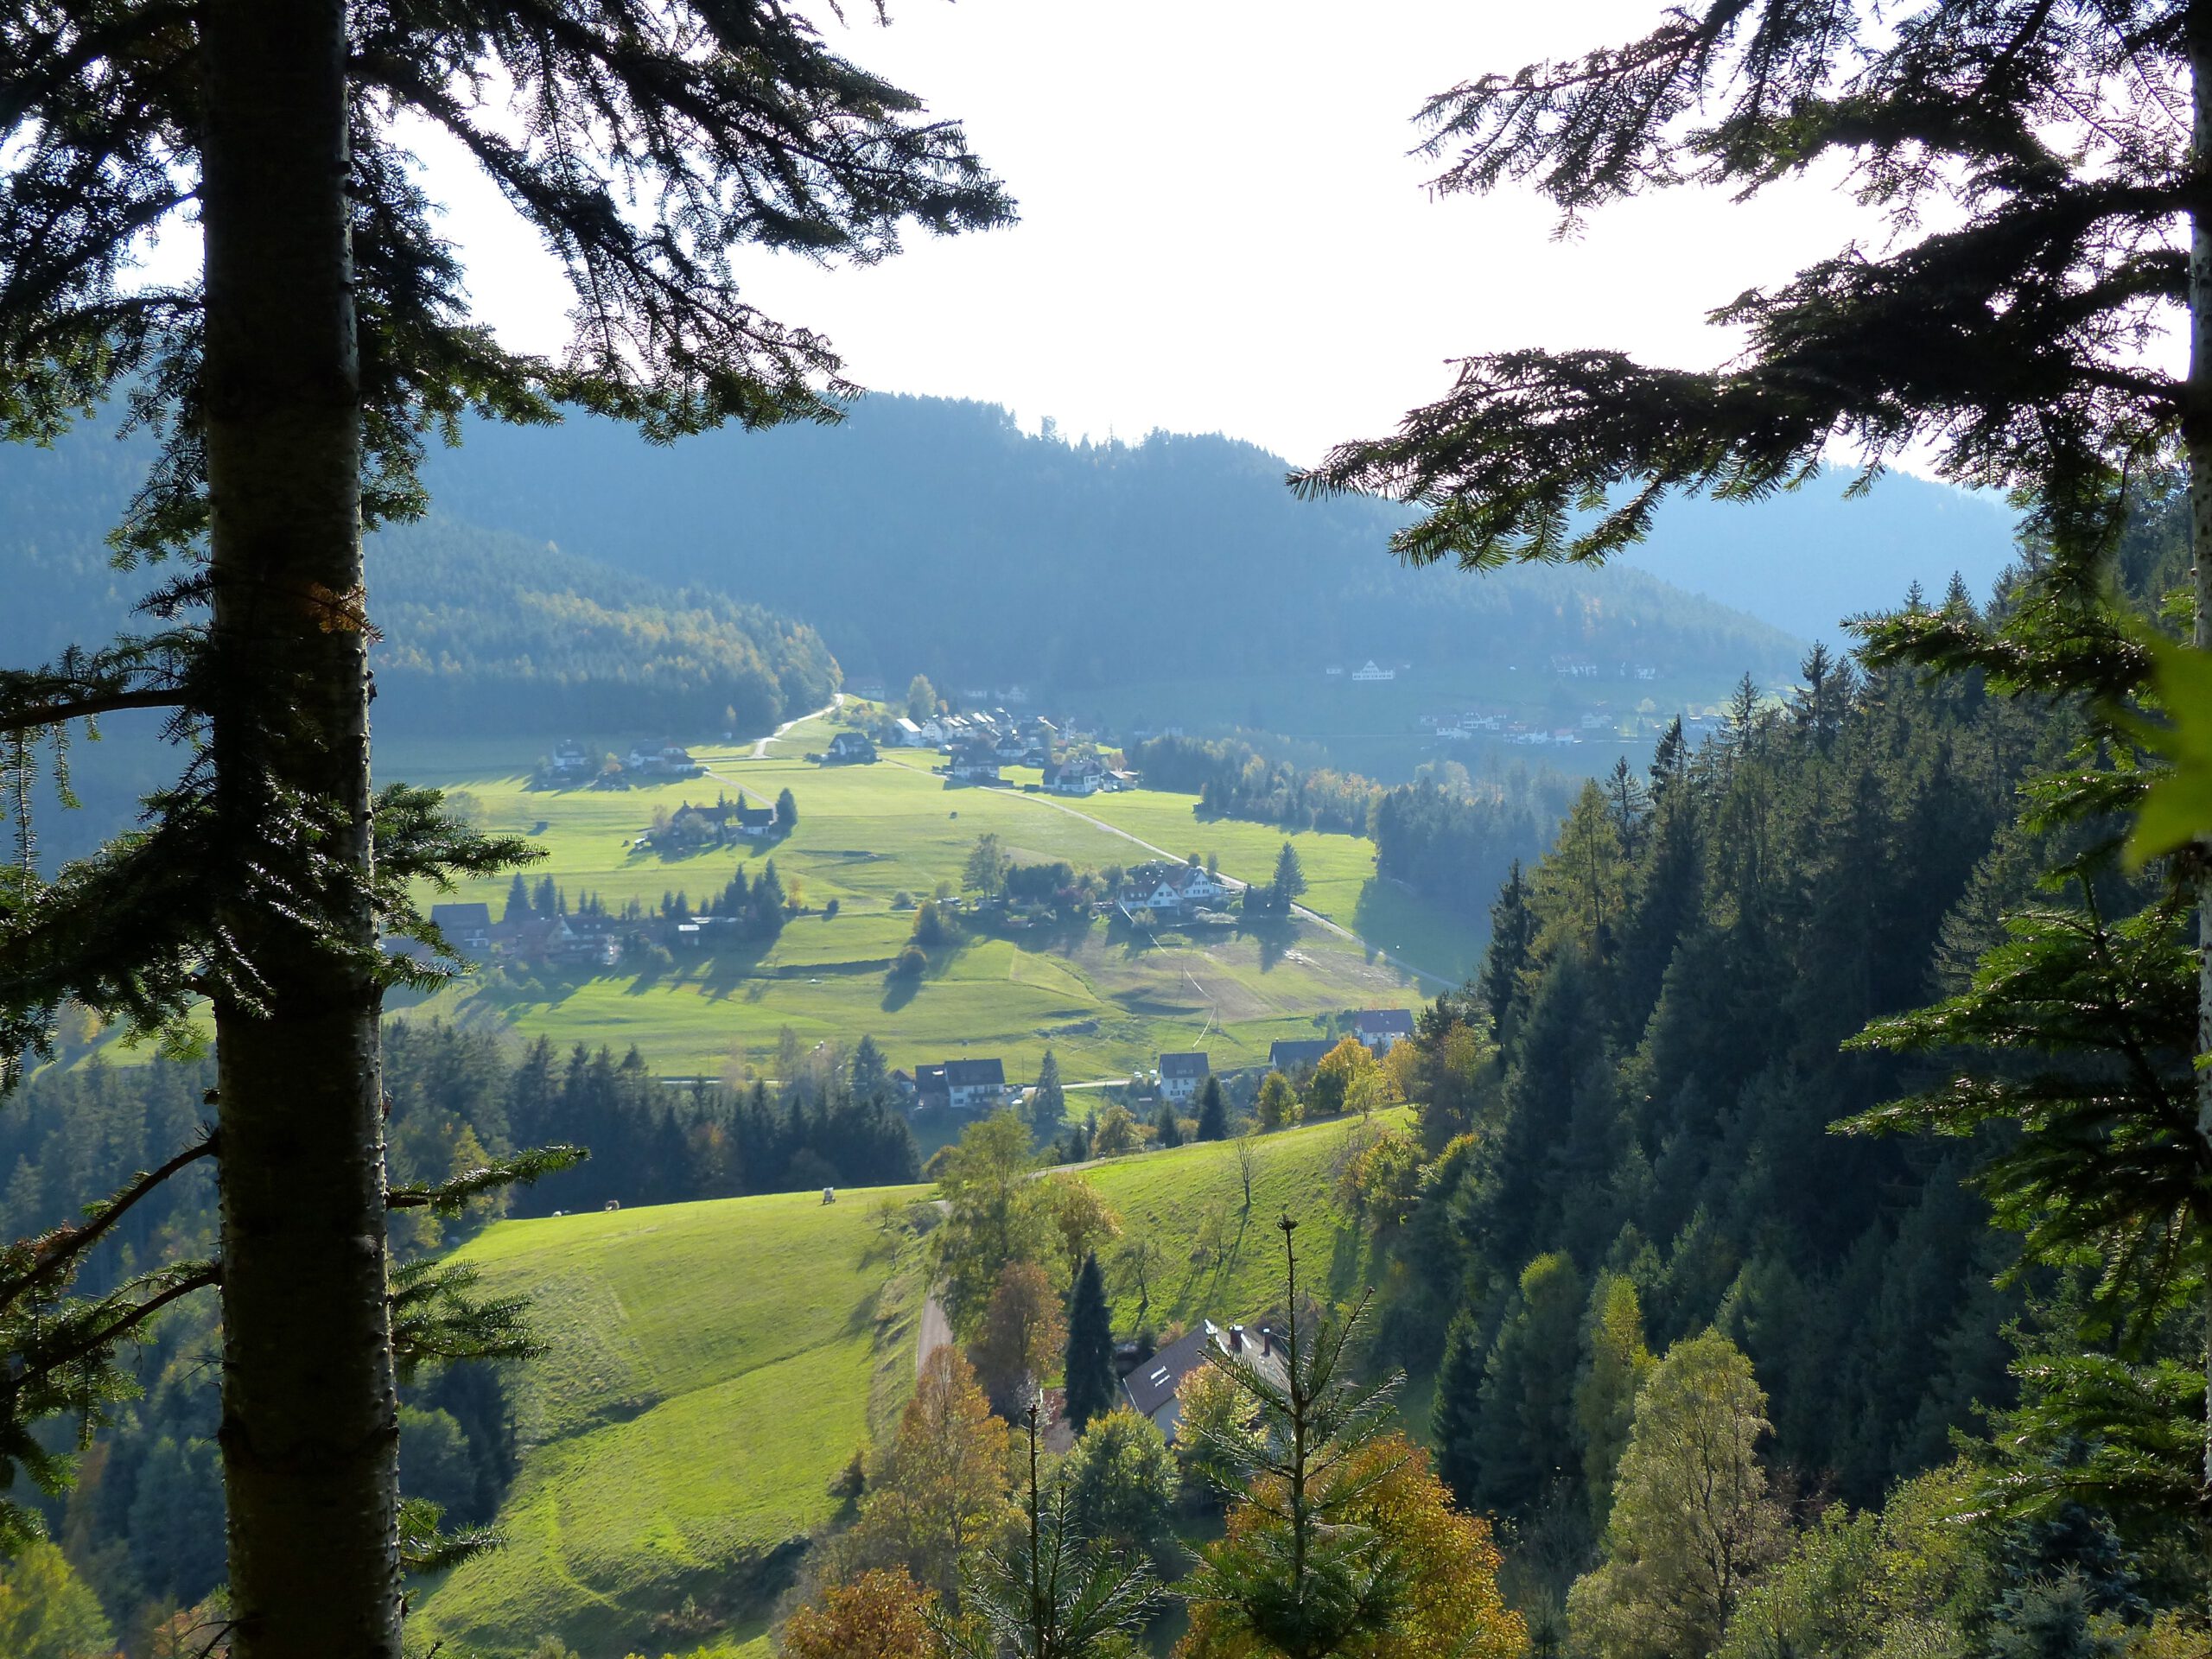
(710, 1367)
(1216, 1258)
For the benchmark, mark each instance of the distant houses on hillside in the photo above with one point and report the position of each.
(959, 1086)
(573, 767)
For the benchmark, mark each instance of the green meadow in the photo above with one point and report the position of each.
(1107, 998)
(711, 1367)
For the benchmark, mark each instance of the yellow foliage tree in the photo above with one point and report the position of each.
(1453, 1609)
(883, 1614)
(941, 1493)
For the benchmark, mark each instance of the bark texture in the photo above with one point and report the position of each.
(2197, 437)
(309, 1433)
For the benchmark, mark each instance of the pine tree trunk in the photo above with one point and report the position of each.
(310, 1434)
(2197, 434)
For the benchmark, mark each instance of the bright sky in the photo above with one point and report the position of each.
(1221, 229)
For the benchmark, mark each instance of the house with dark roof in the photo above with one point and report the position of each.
(1181, 1076)
(1154, 1388)
(1299, 1055)
(854, 747)
(1382, 1029)
(931, 1092)
(467, 928)
(975, 1085)
(1080, 774)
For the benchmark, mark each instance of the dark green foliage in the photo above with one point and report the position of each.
(1454, 848)
(1057, 1594)
(1092, 1386)
(836, 522)
(1048, 1101)
(1455, 1416)
(786, 812)
(1522, 1438)
(1166, 1127)
(1213, 1112)
(1668, 1080)
(2007, 339)
(1121, 1480)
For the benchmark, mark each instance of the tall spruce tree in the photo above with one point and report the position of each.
(291, 386)
(1089, 1370)
(1048, 1101)
(1213, 1112)
(2035, 252)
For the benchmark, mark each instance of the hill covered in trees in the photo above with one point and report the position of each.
(934, 535)
(481, 630)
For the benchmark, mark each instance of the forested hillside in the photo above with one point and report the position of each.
(481, 630)
(927, 534)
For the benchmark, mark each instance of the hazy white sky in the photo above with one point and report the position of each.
(1221, 228)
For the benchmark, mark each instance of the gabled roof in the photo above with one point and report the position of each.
(976, 1074)
(1183, 1066)
(1376, 1022)
(461, 919)
(1289, 1056)
(1153, 1383)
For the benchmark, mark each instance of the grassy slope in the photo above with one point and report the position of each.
(1217, 1260)
(711, 1366)
(1107, 1002)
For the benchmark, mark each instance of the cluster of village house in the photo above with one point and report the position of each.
(573, 767)
(977, 744)
(1567, 667)
(980, 1086)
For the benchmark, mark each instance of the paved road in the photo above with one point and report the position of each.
(760, 749)
(935, 1332)
(1312, 916)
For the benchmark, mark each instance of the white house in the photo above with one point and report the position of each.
(975, 1085)
(1382, 1029)
(1369, 672)
(1181, 1076)
(1169, 889)
(1080, 774)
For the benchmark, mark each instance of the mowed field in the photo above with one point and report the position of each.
(709, 1367)
(1108, 1000)
(713, 1366)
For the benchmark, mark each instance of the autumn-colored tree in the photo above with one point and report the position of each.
(1334, 1073)
(883, 1614)
(940, 1493)
(1116, 1132)
(47, 1612)
(1217, 1428)
(996, 1213)
(1452, 1608)
(1024, 1330)
(1278, 1103)
(1605, 1399)
(1085, 1222)
(1692, 1520)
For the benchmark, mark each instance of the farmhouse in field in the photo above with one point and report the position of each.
(1080, 774)
(853, 746)
(1169, 890)
(1382, 1029)
(1181, 1076)
(1154, 1388)
(1301, 1054)
(975, 1085)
